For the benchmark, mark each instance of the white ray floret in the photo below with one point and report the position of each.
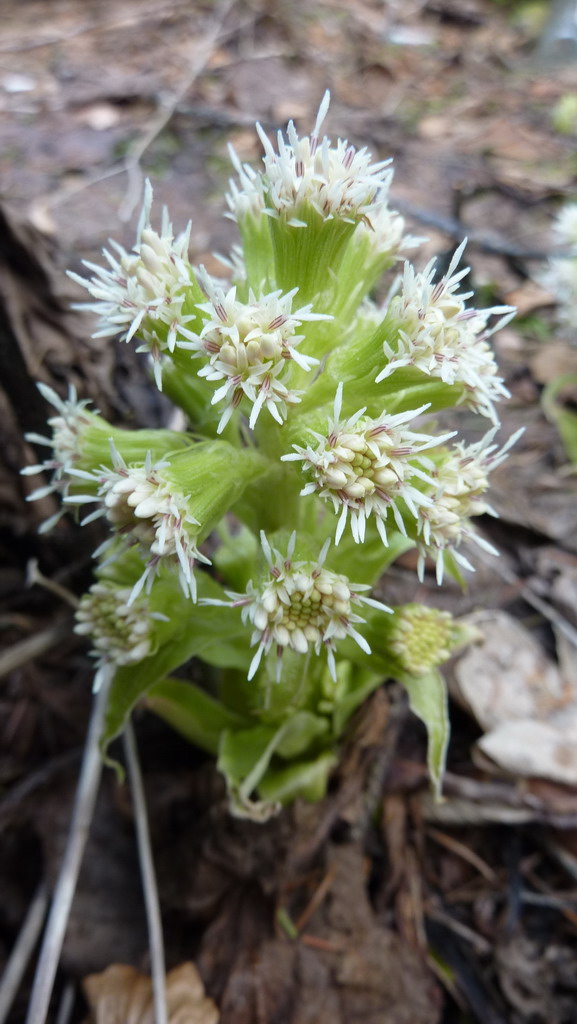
(144, 508)
(368, 467)
(302, 606)
(142, 294)
(461, 481)
(438, 334)
(67, 429)
(250, 347)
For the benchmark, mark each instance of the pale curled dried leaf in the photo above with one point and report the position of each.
(519, 697)
(122, 995)
(507, 676)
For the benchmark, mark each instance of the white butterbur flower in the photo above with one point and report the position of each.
(439, 335)
(336, 181)
(560, 277)
(365, 467)
(246, 198)
(143, 293)
(383, 229)
(565, 225)
(143, 508)
(120, 629)
(461, 480)
(67, 428)
(250, 346)
(301, 605)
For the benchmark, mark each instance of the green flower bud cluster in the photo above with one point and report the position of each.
(421, 638)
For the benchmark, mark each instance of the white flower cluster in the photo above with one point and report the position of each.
(119, 627)
(298, 605)
(366, 467)
(439, 335)
(67, 428)
(144, 508)
(143, 293)
(383, 229)
(249, 346)
(461, 480)
(335, 181)
(560, 278)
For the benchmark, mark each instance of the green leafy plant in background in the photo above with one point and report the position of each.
(253, 541)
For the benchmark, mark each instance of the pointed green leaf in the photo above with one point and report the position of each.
(214, 634)
(428, 700)
(305, 779)
(193, 713)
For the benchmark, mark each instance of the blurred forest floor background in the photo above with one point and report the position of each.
(377, 905)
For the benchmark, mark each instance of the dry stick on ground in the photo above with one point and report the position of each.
(201, 54)
(23, 949)
(65, 887)
(157, 962)
(528, 595)
(495, 245)
(94, 27)
(131, 164)
(25, 650)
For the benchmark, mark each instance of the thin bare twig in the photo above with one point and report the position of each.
(66, 1004)
(34, 576)
(131, 164)
(85, 801)
(478, 239)
(32, 647)
(156, 13)
(528, 595)
(23, 949)
(155, 938)
(200, 57)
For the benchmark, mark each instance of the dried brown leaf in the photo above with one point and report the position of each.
(122, 995)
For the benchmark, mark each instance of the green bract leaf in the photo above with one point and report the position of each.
(245, 755)
(193, 713)
(428, 700)
(305, 779)
(215, 634)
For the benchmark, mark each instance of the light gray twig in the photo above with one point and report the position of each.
(23, 949)
(86, 794)
(32, 647)
(156, 942)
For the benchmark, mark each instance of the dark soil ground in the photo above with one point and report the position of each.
(377, 905)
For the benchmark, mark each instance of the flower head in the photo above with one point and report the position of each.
(250, 346)
(382, 229)
(367, 467)
(442, 337)
(421, 637)
(461, 480)
(120, 628)
(565, 225)
(144, 507)
(144, 293)
(301, 605)
(68, 427)
(335, 181)
(560, 277)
